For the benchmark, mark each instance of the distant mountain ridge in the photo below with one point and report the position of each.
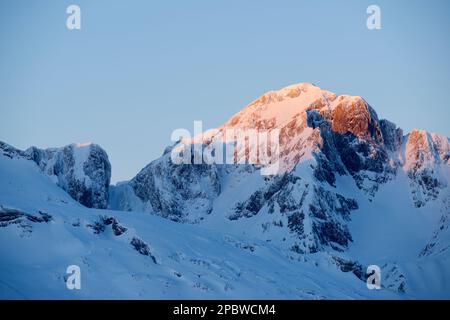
(82, 170)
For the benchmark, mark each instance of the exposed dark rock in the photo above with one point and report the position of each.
(13, 216)
(351, 266)
(116, 227)
(262, 197)
(392, 136)
(143, 248)
(24, 220)
(99, 226)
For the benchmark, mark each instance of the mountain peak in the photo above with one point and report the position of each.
(277, 108)
(290, 92)
(83, 144)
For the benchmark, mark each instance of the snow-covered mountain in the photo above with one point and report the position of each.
(351, 190)
(83, 170)
(325, 140)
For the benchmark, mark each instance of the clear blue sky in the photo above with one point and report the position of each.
(139, 69)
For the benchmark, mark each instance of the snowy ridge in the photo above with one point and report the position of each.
(83, 170)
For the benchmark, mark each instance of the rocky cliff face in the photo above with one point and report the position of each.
(178, 192)
(425, 155)
(83, 171)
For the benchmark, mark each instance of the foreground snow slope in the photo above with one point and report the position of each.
(151, 257)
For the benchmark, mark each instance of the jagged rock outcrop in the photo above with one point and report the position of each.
(392, 135)
(425, 153)
(178, 192)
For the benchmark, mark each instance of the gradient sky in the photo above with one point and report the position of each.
(137, 70)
